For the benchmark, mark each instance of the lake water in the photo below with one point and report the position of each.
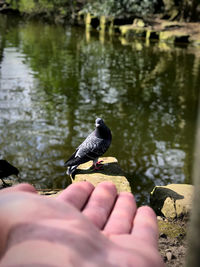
(54, 82)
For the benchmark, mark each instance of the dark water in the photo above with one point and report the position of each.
(54, 82)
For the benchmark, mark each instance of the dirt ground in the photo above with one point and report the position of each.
(173, 249)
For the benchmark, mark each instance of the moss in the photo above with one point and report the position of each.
(171, 229)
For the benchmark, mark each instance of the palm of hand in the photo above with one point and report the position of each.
(112, 231)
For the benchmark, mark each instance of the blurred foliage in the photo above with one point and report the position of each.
(170, 9)
(188, 10)
(50, 8)
(120, 8)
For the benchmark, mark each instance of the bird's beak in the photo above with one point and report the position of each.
(97, 125)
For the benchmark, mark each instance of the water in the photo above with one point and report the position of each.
(54, 82)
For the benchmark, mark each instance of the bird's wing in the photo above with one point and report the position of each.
(92, 147)
(70, 159)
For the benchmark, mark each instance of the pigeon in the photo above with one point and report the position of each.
(6, 169)
(94, 146)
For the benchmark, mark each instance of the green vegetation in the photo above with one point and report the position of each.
(188, 10)
(50, 9)
(120, 8)
(171, 229)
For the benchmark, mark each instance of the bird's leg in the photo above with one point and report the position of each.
(97, 164)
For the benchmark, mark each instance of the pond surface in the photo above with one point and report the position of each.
(54, 82)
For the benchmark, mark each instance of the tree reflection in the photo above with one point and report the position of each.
(147, 96)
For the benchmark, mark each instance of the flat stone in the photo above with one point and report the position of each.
(110, 171)
(172, 201)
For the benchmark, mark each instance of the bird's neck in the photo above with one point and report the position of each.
(103, 132)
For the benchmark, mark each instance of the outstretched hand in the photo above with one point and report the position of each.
(83, 226)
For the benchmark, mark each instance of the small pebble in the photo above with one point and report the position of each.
(169, 256)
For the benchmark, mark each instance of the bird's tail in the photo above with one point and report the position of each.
(71, 170)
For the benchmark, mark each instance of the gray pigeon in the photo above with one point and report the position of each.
(94, 146)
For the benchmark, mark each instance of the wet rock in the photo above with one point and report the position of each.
(172, 201)
(110, 171)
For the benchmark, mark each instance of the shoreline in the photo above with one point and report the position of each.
(148, 28)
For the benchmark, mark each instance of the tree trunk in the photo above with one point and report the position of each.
(193, 255)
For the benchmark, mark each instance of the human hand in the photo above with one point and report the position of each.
(83, 226)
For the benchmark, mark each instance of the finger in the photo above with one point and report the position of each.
(77, 194)
(101, 203)
(145, 225)
(121, 218)
(20, 187)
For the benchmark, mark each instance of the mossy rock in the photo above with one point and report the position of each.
(172, 201)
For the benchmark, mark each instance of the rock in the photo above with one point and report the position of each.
(172, 201)
(139, 23)
(173, 37)
(111, 171)
(132, 31)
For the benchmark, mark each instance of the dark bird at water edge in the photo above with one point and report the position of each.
(94, 146)
(6, 169)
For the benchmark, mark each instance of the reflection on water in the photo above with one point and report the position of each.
(55, 81)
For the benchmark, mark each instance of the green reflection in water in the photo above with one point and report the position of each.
(54, 82)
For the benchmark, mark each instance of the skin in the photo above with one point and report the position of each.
(83, 226)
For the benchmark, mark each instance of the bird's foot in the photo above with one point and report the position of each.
(98, 165)
(99, 162)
